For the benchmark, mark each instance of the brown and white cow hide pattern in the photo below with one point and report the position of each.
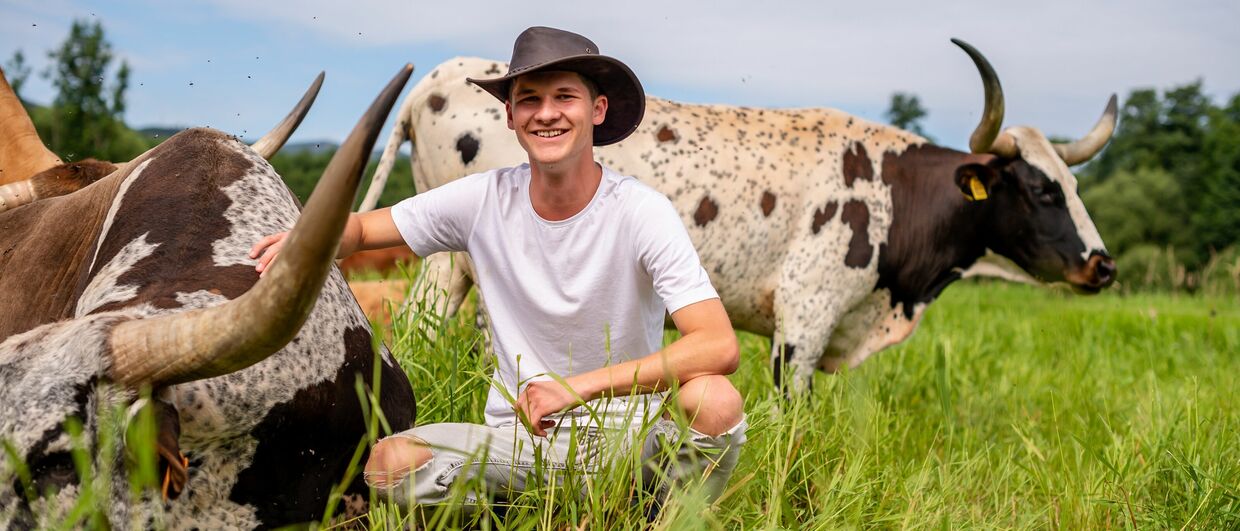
(216, 414)
(786, 207)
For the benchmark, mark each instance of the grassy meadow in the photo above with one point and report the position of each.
(1011, 407)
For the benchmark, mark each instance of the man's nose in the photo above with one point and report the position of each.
(547, 112)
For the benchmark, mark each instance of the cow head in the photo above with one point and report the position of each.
(59, 380)
(1035, 215)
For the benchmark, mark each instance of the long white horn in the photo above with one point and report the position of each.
(222, 339)
(986, 138)
(270, 143)
(1084, 149)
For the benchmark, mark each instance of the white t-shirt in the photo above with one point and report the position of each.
(560, 292)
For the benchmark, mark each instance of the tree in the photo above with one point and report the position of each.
(1156, 132)
(86, 114)
(1137, 207)
(1185, 136)
(17, 71)
(906, 112)
(1216, 212)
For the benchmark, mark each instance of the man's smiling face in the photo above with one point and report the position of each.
(554, 116)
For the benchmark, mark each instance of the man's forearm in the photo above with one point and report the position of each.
(369, 230)
(693, 355)
(351, 238)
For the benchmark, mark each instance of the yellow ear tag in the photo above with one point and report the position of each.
(979, 191)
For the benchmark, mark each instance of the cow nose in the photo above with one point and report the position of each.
(1104, 269)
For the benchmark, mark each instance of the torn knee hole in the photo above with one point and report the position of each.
(394, 459)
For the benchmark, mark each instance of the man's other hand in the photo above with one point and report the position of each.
(266, 250)
(540, 399)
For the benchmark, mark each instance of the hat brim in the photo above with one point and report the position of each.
(626, 101)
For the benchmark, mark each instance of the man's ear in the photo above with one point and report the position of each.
(508, 110)
(976, 181)
(600, 109)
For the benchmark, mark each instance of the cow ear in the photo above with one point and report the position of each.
(976, 180)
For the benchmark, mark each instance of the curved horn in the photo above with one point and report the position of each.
(986, 138)
(22, 154)
(214, 341)
(16, 194)
(1084, 149)
(270, 143)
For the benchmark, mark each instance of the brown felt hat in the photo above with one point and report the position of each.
(540, 49)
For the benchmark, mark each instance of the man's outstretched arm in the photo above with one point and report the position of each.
(368, 230)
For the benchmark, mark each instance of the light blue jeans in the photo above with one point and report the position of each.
(472, 461)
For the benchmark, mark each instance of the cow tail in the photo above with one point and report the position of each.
(401, 131)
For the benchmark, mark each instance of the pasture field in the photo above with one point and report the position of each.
(1012, 407)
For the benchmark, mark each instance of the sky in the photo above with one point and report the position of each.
(239, 65)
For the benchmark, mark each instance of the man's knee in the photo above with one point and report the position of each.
(392, 460)
(711, 403)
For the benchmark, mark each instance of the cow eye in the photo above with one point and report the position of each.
(53, 472)
(1047, 197)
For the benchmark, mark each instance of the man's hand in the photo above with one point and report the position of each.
(266, 250)
(370, 230)
(540, 399)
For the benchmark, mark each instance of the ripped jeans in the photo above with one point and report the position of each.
(471, 461)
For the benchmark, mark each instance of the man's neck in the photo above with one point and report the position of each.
(560, 191)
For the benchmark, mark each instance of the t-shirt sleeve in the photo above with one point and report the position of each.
(442, 219)
(664, 248)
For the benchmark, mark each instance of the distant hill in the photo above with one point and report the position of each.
(159, 133)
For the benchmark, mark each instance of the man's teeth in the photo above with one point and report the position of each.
(549, 134)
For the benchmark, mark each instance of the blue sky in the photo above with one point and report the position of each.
(239, 65)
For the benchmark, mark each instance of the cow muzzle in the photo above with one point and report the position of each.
(1097, 274)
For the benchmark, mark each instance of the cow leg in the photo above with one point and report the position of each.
(803, 327)
(441, 287)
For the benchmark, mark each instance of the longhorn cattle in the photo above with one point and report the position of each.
(829, 233)
(142, 280)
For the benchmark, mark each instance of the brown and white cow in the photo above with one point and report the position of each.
(829, 233)
(142, 279)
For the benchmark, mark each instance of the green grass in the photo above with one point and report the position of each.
(1011, 407)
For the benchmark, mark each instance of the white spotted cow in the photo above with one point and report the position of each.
(141, 280)
(829, 233)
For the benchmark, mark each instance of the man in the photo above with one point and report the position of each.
(577, 265)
